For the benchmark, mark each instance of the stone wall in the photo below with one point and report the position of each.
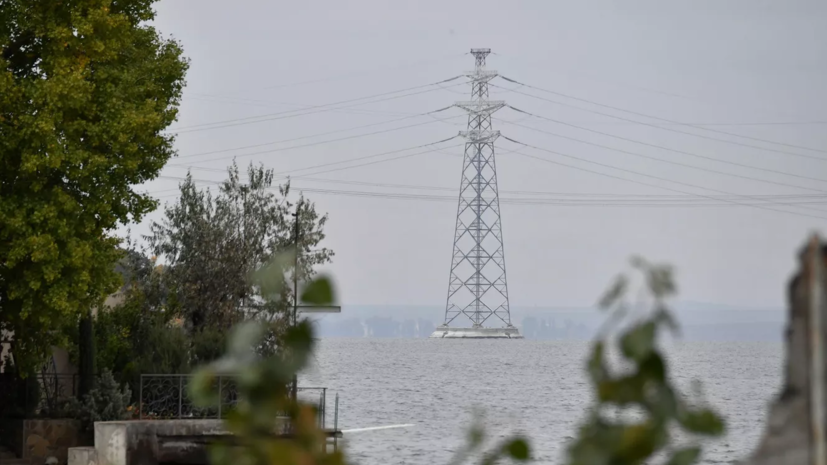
(44, 438)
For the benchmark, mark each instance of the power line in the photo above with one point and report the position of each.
(314, 135)
(664, 128)
(564, 201)
(216, 98)
(656, 177)
(661, 118)
(348, 75)
(670, 161)
(372, 162)
(290, 113)
(361, 73)
(376, 155)
(803, 198)
(666, 148)
(312, 144)
(212, 98)
(753, 123)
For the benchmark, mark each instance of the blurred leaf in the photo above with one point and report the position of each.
(660, 281)
(663, 317)
(201, 388)
(299, 338)
(686, 456)
(271, 277)
(244, 337)
(703, 421)
(641, 386)
(318, 292)
(653, 368)
(639, 263)
(637, 442)
(595, 365)
(614, 293)
(476, 435)
(518, 449)
(638, 342)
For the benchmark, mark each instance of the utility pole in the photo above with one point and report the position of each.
(294, 389)
(295, 320)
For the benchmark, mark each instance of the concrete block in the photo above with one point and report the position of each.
(83, 456)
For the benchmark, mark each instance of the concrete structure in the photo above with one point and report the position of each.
(444, 332)
(149, 442)
(154, 442)
(793, 427)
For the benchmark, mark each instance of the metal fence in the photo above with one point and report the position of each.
(42, 394)
(167, 397)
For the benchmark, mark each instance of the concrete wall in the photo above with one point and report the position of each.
(153, 441)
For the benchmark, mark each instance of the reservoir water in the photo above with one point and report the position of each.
(534, 387)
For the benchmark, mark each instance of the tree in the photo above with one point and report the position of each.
(86, 89)
(215, 248)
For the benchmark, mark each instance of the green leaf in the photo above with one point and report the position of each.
(686, 456)
(518, 449)
(318, 292)
(703, 421)
(638, 342)
(595, 365)
(653, 368)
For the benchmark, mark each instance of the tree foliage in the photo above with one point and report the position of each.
(138, 335)
(217, 249)
(637, 409)
(87, 88)
(219, 253)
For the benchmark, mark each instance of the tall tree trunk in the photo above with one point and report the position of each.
(86, 355)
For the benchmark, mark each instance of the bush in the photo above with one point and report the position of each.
(208, 345)
(107, 402)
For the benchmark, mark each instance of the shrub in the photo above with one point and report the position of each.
(107, 402)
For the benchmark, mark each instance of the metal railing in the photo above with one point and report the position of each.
(167, 397)
(47, 397)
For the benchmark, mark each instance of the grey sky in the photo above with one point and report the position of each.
(695, 62)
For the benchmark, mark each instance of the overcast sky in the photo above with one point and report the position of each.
(729, 65)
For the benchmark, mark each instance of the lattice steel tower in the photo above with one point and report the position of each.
(477, 305)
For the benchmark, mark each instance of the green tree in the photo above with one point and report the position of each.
(87, 88)
(215, 247)
(138, 335)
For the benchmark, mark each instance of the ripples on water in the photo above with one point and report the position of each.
(535, 387)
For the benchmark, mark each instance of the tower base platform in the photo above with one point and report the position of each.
(445, 332)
